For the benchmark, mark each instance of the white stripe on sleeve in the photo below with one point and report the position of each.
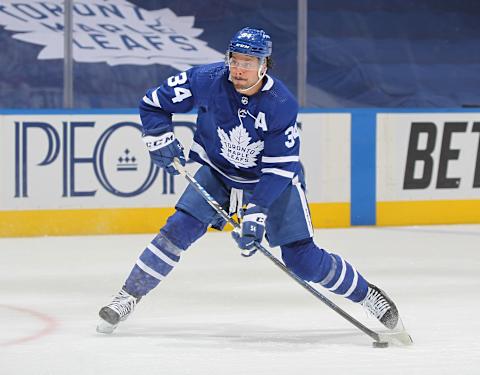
(148, 101)
(279, 159)
(279, 172)
(155, 98)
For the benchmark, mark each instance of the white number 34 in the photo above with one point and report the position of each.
(292, 134)
(181, 93)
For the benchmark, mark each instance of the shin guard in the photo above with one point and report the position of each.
(311, 263)
(163, 253)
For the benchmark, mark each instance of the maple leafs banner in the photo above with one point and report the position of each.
(113, 31)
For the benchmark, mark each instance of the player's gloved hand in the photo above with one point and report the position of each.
(252, 229)
(163, 148)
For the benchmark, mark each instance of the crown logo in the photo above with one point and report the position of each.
(127, 162)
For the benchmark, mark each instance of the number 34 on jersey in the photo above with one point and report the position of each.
(181, 93)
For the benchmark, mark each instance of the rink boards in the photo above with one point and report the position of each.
(82, 172)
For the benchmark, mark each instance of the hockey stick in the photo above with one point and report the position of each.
(380, 338)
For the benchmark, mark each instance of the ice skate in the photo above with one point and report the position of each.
(378, 304)
(121, 306)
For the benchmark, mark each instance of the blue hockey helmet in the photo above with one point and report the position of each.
(253, 42)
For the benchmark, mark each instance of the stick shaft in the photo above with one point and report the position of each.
(218, 208)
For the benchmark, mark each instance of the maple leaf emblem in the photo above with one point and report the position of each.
(237, 149)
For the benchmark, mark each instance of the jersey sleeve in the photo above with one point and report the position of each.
(175, 95)
(280, 162)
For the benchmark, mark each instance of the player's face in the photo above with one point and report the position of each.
(243, 70)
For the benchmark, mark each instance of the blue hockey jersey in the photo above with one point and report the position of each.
(251, 142)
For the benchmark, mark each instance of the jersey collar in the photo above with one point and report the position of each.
(268, 85)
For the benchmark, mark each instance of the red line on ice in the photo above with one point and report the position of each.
(49, 325)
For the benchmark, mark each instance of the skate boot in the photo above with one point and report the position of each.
(378, 304)
(121, 306)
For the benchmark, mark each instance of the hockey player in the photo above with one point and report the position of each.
(248, 145)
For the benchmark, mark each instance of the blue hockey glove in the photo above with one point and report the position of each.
(163, 149)
(252, 229)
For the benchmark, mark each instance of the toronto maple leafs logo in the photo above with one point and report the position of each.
(113, 31)
(236, 147)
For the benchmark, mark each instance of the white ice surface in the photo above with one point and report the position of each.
(218, 313)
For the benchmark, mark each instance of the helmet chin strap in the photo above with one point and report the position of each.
(256, 83)
(260, 77)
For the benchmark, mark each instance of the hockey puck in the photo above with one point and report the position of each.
(380, 344)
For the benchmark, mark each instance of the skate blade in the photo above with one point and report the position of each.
(105, 327)
(402, 338)
(397, 336)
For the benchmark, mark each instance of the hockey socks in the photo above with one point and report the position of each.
(343, 279)
(311, 263)
(152, 266)
(163, 253)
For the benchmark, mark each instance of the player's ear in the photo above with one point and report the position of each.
(266, 64)
(264, 68)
